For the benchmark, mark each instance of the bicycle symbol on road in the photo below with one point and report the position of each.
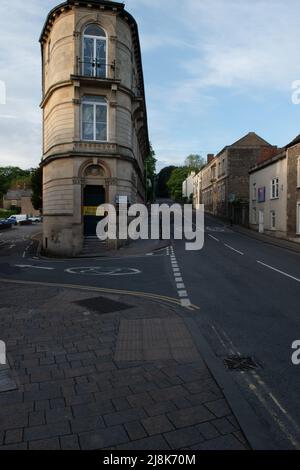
(103, 271)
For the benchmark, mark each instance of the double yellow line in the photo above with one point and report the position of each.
(150, 296)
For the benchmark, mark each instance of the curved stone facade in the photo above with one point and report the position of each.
(72, 97)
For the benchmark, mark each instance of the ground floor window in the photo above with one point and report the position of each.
(254, 216)
(273, 220)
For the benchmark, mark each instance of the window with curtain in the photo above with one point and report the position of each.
(94, 118)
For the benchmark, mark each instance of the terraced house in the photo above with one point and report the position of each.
(95, 137)
(225, 178)
(293, 189)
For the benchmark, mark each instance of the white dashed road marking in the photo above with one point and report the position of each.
(181, 291)
(278, 271)
(233, 249)
(214, 238)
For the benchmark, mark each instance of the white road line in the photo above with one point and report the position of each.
(185, 302)
(180, 285)
(263, 389)
(233, 249)
(214, 238)
(182, 293)
(33, 267)
(278, 271)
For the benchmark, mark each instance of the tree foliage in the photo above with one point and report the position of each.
(37, 188)
(162, 189)
(194, 162)
(150, 173)
(175, 181)
(12, 177)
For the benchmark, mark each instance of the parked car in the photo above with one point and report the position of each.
(16, 219)
(4, 223)
(35, 219)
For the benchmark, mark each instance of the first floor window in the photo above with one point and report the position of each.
(298, 172)
(273, 220)
(275, 188)
(94, 118)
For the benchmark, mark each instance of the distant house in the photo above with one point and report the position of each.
(19, 198)
(293, 189)
(225, 178)
(188, 185)
(268, 195)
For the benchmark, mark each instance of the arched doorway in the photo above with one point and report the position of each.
(93, 196)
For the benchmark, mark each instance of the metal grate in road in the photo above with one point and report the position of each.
(240, 363)
(102, 305)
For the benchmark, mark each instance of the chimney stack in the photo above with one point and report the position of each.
(210, 157)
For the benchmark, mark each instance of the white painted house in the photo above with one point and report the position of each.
(268, 196)
(188, 185)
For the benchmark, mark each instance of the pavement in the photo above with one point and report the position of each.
(94, 371)
(153, 350)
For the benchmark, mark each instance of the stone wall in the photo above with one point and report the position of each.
(293, 196)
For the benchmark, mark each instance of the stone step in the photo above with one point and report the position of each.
(93, 245)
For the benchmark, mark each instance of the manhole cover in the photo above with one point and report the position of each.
(240, 363)
(102, 305)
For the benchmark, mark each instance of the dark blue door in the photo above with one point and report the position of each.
(93, 197)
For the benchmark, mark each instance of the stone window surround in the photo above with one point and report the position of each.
(94, 103)
(274, 187)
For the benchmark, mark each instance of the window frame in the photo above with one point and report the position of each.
(273, 219)
(94, 103)
(298, 172)
(276, 187)
(95, 38)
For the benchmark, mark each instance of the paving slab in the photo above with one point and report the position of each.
(149, 389)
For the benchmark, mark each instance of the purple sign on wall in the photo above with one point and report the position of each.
(261, 194)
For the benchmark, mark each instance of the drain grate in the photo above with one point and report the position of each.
(240, 363)
(102, 305)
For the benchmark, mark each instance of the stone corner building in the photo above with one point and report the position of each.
(95, 134)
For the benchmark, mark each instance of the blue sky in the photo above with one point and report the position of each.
(214, 71)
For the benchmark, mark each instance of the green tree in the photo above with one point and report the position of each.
(175, 182)
(162, 189)
(150, 174)
(37, 188)
(195, 162)
(9, 175)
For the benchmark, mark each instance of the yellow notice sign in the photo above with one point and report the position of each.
(90, 210)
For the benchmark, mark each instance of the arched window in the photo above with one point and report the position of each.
(94, 118)
(94, 51)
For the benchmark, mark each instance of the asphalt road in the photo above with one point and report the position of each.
(248, 294)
